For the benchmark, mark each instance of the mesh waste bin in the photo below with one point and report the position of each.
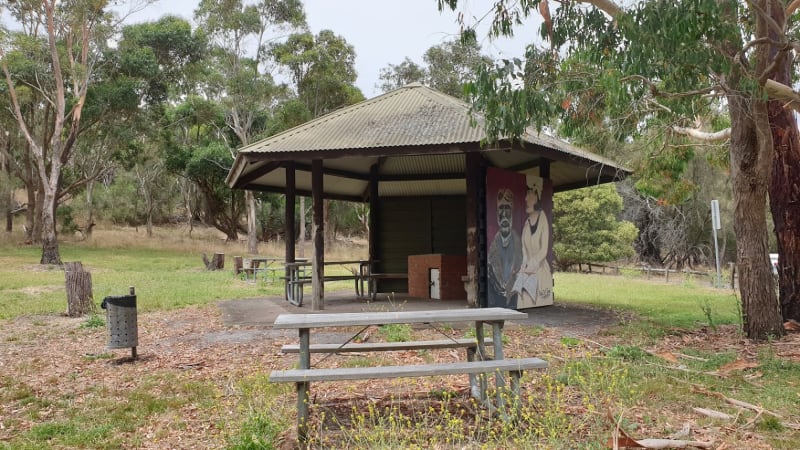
(121, 321)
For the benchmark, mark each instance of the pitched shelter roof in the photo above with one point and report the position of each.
(418, 137)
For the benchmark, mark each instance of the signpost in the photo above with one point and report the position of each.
(715, 225)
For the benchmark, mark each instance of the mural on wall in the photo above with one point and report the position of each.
(519, 209)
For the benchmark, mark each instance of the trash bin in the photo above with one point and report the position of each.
(121, 321)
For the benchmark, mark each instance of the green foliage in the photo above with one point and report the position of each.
(586, 229)
(120, 202)
(164, 54)
(627, 352)
(94, 321)
(407, 72)
(396, 332)
(322, 68)
(64, 214)
(568, 341)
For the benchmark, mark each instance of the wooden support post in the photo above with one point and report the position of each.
(79, 289)
(289, 215)
(237, 265)
(473, 162)
(318, 231)
(374, 224)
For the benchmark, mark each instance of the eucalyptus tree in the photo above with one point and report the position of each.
(448, 67)
(322, 69)
(238, 33)
(196, 148)
(162, 59)
(59, 45)
(659, 63)
(394, 76)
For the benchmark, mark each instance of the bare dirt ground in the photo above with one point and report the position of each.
(55, 358)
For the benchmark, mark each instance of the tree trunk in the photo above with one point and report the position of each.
(252, 234)
(149, 224)
(751, 155)
(217, 261)
(89, 209)
(79, 290)
(326, 219)
(30, 190)
(50, 254)
(38, 207)
(784, 189)
(10, 194)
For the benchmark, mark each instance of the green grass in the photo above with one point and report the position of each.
(666, 305)
(566, 407)
(105, 413)
(163, 279)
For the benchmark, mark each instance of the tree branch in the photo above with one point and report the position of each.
(607, 6)
(784, 93)
(704, 136)
(768, 19)
(792, 8)
(657, 93)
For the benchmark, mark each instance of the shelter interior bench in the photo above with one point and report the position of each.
(296, 278)
(478, 361)
(374, 277)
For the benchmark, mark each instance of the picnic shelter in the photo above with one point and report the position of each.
(419, 159)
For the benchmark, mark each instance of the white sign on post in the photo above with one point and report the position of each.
(715, 214)
(715, 225)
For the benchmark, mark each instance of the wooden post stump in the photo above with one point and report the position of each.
(79, 290)
(217, 262)
(237, 265)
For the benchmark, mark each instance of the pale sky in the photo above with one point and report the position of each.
(382, 32)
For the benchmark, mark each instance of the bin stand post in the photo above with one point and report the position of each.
(133, 349)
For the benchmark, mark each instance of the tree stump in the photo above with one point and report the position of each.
(217, 262)
(237, 265)
(79, 290)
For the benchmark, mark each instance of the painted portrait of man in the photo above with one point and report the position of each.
(505, 211)
(519, 240)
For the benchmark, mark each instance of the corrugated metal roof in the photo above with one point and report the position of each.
(417, 138)
(413, 115)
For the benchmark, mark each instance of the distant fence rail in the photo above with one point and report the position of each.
(729, 279)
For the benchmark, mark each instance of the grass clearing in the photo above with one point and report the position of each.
(677, 346)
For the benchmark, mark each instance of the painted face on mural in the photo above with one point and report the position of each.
(532, 200)
(505, 212)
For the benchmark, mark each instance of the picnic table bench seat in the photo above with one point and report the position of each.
(386, 346)
(515, 366)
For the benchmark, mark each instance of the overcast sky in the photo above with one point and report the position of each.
(382, 32)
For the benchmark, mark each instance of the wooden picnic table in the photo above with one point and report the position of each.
(296, 277)
(478, 361)
(264, 265)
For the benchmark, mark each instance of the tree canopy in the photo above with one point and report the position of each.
(654, 65)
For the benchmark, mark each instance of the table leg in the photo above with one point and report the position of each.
(302, 410)
(303, 388)
(294, 289)
(479, 336)
(499, 377)
(481, 356)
